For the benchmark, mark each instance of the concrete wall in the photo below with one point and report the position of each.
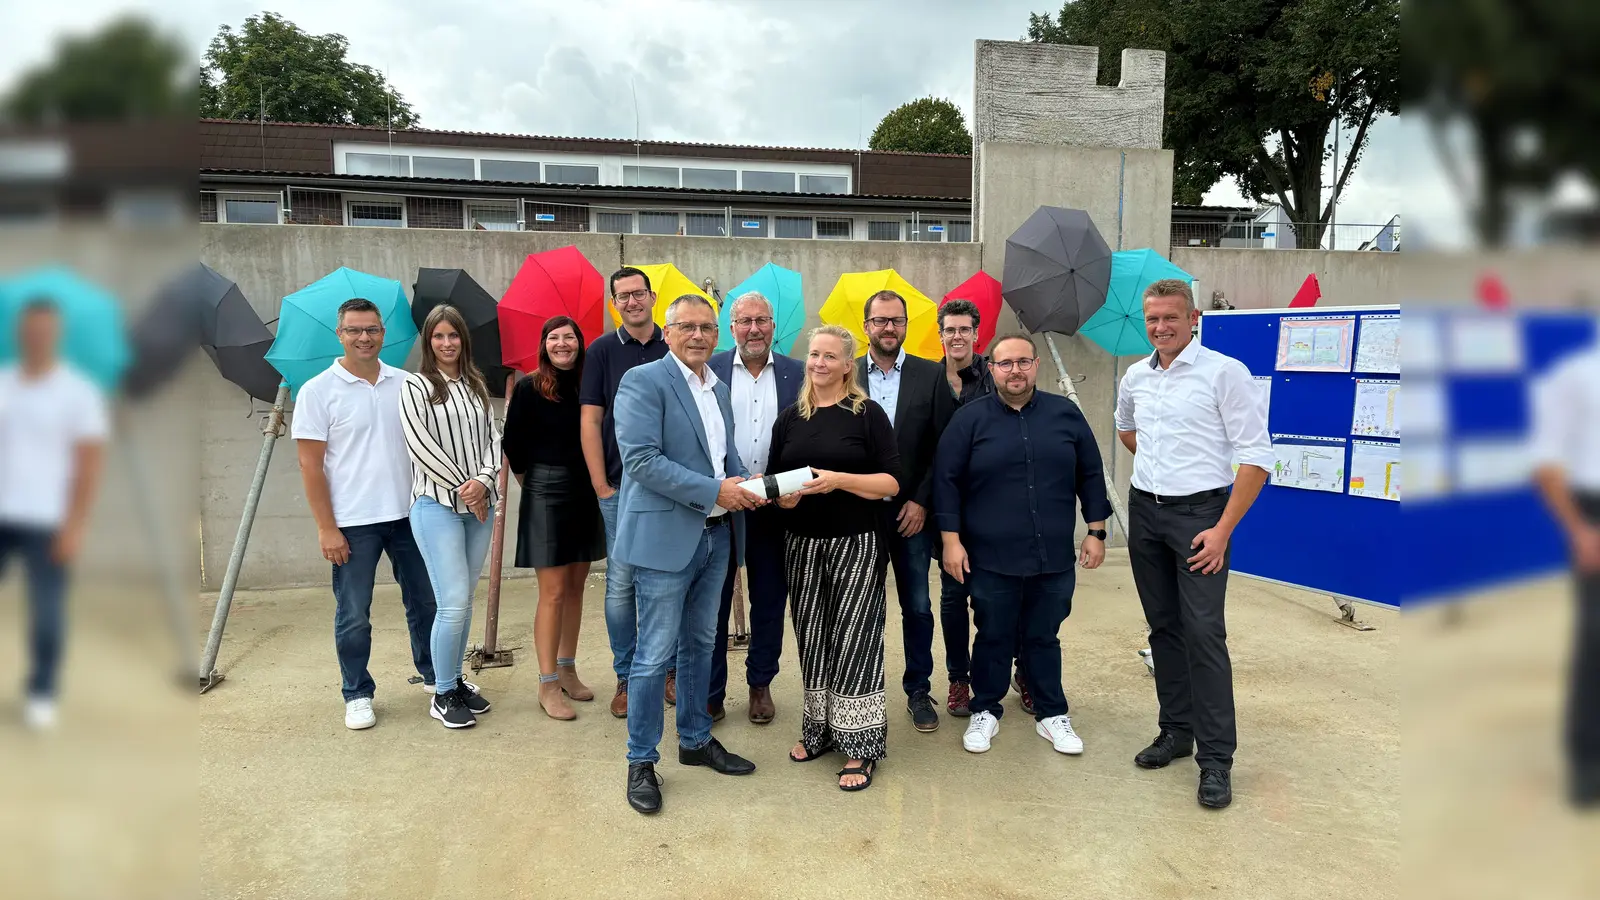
(1262, 279)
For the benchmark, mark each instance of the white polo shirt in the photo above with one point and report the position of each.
(367, 465)
(1566, 420)
(42, 422)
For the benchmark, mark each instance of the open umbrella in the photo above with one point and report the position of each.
(983, 291)
(1118, 326)
(454, 287)
(163, 338)
(308, 339)
(782, 287)
(560, 282)
(847, 301)
(669, 284)
(206, 309)
(1057, 270)
(92, 336)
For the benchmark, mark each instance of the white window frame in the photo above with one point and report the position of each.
(373, 199)
(848, 187)
(224, 197)
(819, 218)
(514, 206)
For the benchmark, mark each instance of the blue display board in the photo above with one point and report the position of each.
(1317, 539)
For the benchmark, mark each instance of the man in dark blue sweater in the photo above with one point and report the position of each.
(1010, 474)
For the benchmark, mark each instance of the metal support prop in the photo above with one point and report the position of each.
(489, 656)
(1065, 381)
(739, 638)
(209, 676)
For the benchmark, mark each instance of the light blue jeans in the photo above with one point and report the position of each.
(622, 615)
(454, 546)
(677, 620)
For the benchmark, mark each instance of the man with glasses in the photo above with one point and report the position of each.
(637, 342)
(916, 397)
(762, 383)
(1012, 471)
(357, 476)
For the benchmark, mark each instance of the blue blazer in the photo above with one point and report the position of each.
(790, 373)
(668, 481)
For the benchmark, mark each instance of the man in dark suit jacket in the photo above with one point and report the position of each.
(913, 392)
(763, 383)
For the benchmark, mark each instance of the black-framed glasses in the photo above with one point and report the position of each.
(959, 331)
(1021, 365)
(886, 321)
(708, 328)
(631, 295)
(753, 322)
(357, 331)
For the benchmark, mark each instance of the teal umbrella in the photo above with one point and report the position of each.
(782, 287)
(92, 334)
(308, 342)
(1118, 326)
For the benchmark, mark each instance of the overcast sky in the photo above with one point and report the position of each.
(819, 73)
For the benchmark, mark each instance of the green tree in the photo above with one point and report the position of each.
(1254, 87)
(126, 70)
(928, 125)
(271, 67)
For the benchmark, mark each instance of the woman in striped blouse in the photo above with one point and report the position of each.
(455, 460)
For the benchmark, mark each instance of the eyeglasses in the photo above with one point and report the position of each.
(959, 331)
(708, 329)
(631, 295)
(885, 321)
(369, 331)
(1021, 365)
(753, 322)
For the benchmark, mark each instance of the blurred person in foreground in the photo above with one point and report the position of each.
(1186, 413)
(1566, 447)
(357, 476)
(54, 423)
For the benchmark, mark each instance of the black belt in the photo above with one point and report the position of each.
(1165, 499)
(715, 521)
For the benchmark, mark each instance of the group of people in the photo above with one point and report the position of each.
(649, 449)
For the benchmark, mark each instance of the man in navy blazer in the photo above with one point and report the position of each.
(680, 488)
(761, 383)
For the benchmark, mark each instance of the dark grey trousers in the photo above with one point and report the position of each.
(1188, 635)
(1583, 699)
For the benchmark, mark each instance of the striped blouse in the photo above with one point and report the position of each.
(449, 442)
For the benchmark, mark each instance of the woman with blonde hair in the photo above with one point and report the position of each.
(834, 562)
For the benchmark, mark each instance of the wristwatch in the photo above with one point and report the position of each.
(1098, 533)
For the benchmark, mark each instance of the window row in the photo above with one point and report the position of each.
(554, 173)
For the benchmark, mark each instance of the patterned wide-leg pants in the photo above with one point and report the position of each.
(836, 586)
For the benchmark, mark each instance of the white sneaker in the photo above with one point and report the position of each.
(40, 713)
(982, 727)
(358, 714)
(1058, 730)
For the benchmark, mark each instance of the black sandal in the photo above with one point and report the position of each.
(824, 751)
(864, 770)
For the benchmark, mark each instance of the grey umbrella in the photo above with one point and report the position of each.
(230, 331)
(1057, 270)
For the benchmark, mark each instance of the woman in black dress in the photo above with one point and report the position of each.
(559, 531)
(834, 562)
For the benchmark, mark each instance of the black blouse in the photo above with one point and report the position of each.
(541, 431)
(836, 439)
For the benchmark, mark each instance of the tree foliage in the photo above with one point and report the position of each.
(928, 125)
(273, 67)
(1254, 87)
(126, 71)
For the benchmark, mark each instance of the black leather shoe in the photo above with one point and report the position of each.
(1216, 788)
(644, 788)
(1163, 750)
(717, 758)
(923, 716)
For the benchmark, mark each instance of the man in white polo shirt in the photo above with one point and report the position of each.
(53, 428)
(357, 478)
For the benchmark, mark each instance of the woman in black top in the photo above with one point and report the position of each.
(559, 531)
(834, 563)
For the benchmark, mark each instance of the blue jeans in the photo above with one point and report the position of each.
(677, 619)
(1035, 604)
(47, 595)
(953, 621)
(453, 545)
(910, 557)
(622, 616)
(352, 594)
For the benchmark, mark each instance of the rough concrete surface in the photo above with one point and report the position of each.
(295, 805)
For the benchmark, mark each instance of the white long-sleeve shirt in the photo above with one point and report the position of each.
(1566, 419)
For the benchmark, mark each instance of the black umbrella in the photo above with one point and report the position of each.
(230, 331)
(163, 339)
(456, 288)
(1057, 270)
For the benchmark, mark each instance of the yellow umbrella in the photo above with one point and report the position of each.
(846, 305)
(669, 284)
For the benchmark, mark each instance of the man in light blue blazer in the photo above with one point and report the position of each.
(680, 488)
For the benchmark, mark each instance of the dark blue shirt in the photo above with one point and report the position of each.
(1010, 481)
(611, 355)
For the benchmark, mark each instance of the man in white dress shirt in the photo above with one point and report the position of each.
(1566, 447)
(1187, 413)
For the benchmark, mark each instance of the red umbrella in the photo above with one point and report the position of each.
(983, 290)
(558, 282)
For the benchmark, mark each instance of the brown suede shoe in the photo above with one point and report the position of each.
(619, 703)
(761, 708)
(672, 688)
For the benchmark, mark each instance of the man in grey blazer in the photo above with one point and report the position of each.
(913, 392)
(680, 488)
